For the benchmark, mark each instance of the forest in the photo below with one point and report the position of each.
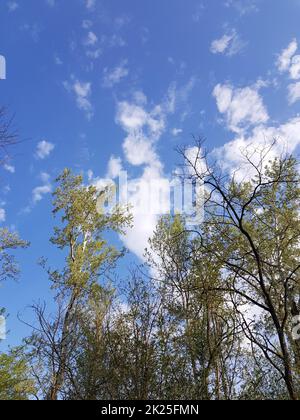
(213, 313)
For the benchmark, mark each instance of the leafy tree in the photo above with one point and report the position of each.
(209, 336)
(9, 241)
(81, 236)
(15, 382)
(256, 226)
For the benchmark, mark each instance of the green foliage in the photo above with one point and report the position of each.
(9, 242)
(82, 232)
(15, 381)
(88, 257)
(209, 317)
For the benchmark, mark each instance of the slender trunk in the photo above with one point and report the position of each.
(59, 375)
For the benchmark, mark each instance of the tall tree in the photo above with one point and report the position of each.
(256, 224)
(14, 382)
(81, 236)
(210, 332)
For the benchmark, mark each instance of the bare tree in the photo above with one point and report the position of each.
(8, 134)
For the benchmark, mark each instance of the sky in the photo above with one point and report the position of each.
(102, 86)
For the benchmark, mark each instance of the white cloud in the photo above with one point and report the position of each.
(44, 189)
(114, 76)
(193, 156)
(137, 195)
(143, 129)
(12, 6)
(2, 215)
(137, 238)
(131, 116)
(243, 7)
(176, 131)
(138, 150)
(44, 149)
(115, 41)
(198, 12)
(230, 156)
(285, 58)
(87, 24)
(94, 54)
(39, 192)
(143, 199)
(90, 4)
(91, 42)
(295, 68)
(144, 126)
(9, 168)
(294, 92)
(242, 108)
(114, 167)
(58, 61)
(219, 46)
(288, 61)
(229, 44)
(82, 91)
(91, 39)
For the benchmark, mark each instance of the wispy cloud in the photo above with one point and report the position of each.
(112, 77)
(241, 107)
(9, 168)
(2, 215)
(114, 167)
(51, 3)
(33, 29)
(90, 4)
(229, 44)
(82, 92)
(243, 7)
(12, 6)
(289, 61)
(39, 192)
(44, 149)
(91, 39)
(294, 93)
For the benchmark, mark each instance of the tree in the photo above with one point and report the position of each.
(92, 376)
(9, 241)
(118, 354)
(88, 257)
(256, 224)
(15, 382)
(209, 340)
(8, 135)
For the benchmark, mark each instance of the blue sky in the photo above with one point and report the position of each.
(100, 86)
